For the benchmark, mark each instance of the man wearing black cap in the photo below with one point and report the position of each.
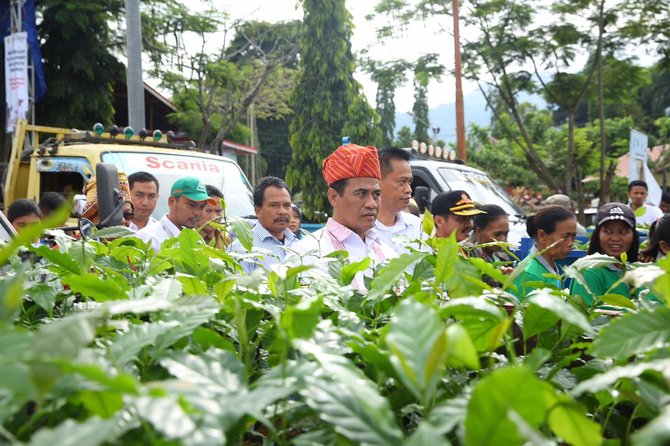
(453, 211)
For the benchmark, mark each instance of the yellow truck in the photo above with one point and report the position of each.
(61, 160)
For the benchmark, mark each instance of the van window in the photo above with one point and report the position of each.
(481, 188)
(167, 168)
(65, 175)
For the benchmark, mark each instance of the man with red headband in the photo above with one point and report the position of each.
(352, 174)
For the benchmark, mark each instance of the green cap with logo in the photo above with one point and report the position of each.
(192, 189)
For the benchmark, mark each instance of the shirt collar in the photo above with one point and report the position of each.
(341, 232)
(169, 227)
(262, 234)
(543, 261)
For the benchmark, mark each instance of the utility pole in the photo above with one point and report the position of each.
(460, 115)
(134, 67)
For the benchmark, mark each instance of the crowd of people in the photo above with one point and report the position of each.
(370, 192)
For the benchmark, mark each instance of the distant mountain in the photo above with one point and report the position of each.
(444, 116)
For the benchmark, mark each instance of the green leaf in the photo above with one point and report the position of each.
(427, 434)
(428, 223)
(449, 414)
(101, 403)
(300, 320)
(537, 319)
(545, 299)
(58, 258)
(65, 337)
(242, 231)
(128, 345)
(461, 351)
(44, 296)
(515, 388)
(83, 254)
(112, 232)
(11, 294)
(639, 212)
(93, 286)
(568, 421)
(217, 371)
(634, 333)
(349, 271)
(418, 344)
(345, 398)
(92, 432)
(617, 300)
(193, 286)
(391, 273)
(594, 261)
(606, 380)
(480, 307)
(656, 432)
(447, 258)
(166, 415)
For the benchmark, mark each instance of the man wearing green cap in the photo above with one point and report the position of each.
(187, 201)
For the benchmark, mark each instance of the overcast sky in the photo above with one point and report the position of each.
(421, 39)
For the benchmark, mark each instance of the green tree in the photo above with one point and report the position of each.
(404, 138)
(78, 64)
(425, 69)
(388, 76)
(362, 124)
(325, 90)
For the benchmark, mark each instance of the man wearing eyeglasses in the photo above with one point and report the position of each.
(453, 212)
(144, 195)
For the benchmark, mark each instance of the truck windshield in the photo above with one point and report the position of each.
(168, 168)
(481, 189)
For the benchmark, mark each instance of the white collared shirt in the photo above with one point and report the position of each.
(651, 214)
(407, 226)
(263, 239)
(133, 226)
(156, 233)
(323, 241)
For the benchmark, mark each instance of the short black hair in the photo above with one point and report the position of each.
(659, 230)
(21, 208)
(142, 177)
(546, 219)
(213, 191)
(339, 186)
(264, 183)
(50, 201)
(665, 197)
(388, 154)
(634, 183)
(493, 212)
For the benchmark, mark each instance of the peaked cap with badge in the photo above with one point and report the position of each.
(456, 202)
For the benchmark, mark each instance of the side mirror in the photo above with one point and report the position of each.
(422, 197)
(86, 228)
(110, 203)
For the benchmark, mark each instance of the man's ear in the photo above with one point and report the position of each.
(332, 196)
(257, 210)
(439, 220)
(171, 200)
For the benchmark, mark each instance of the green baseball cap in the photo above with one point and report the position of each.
(192, 189)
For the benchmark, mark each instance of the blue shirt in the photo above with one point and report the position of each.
(264, 240)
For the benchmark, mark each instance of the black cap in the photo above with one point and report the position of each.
(615, 211)
(455, 202)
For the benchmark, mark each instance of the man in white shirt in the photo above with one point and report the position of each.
(144, 196)
(393, 224)
(187, 201)
(272, 203)
(637, 193)
(352, 174)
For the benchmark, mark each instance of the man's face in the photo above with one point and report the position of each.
(637, 195)
(665, 206)
(397, 186)
(210, 213)
(144, 196)
(358, 206)
(275, 212)
(448, 223)
(185, 212)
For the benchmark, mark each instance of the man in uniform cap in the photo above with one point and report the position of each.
(352, 174)
(186, 204)
(453, 211)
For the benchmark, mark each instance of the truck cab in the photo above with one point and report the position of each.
(65, 159)
(439, 176)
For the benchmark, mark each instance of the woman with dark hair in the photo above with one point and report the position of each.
(294, 221)
(659, 244)
(553, 229)
(615, 236)
(491, 227)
